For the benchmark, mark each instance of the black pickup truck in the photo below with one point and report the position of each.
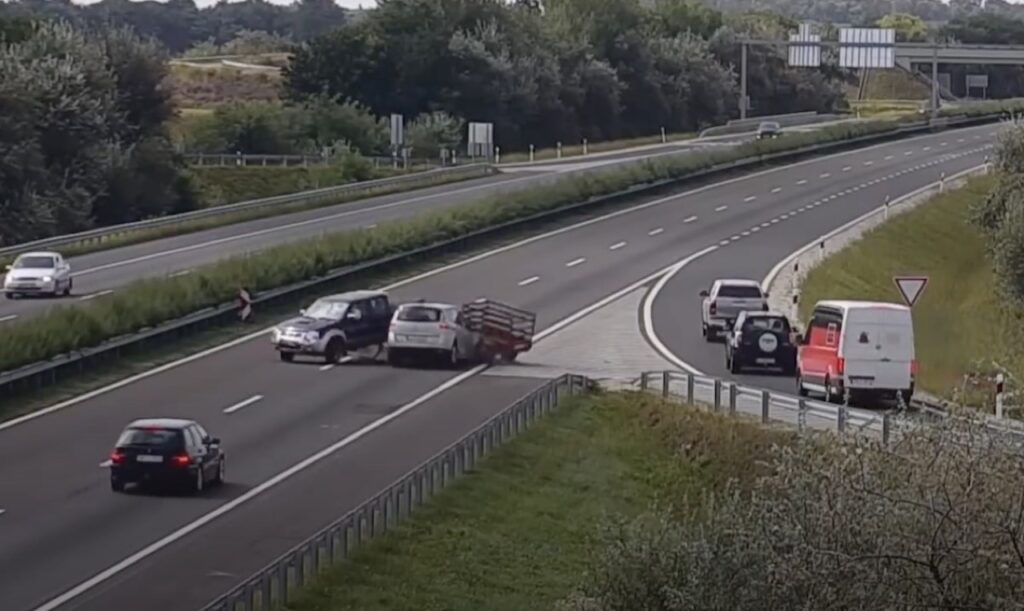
(334, 325)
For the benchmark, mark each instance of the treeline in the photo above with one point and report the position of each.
(180, 24)
(866, 12)
(83, 131)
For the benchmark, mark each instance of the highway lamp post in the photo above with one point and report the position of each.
(743, 81)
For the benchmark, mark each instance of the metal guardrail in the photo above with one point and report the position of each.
(274, 585)
(204, 160)
(44, 373)
(785, 120)
(367, 188)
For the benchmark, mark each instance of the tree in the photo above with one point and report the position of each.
(908, 28)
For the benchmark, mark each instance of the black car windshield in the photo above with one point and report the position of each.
(419, 314)
(153, 437)
(769, 126)
(327, 310)
(34, 263)
(740, 291)
(767, 323)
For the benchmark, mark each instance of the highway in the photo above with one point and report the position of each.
(314, 441)
(101, 273)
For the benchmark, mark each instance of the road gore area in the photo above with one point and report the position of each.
(961, 322)
(522, 531)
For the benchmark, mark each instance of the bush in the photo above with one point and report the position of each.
(932, 521)
(150, 302)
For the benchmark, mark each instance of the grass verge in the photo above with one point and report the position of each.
(961, 325)
(148, 303)
(522, 530)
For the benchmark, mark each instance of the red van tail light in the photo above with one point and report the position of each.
(840, 365)
(713, 308)
(180, 460)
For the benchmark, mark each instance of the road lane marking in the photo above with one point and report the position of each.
(908, 153)
(927, 148)
(8, 317)
(825, 175)
(765, 224)
(847, 168)
(180, 273)
(755, 229)
(529, 280)
(575, 262)
(745, 233)
(656, 231)
(723, 243)
(720, 208)
(776, 189)
(887, 157)
(869, 163)
(2, 511)
(801, 182)
(616, 246)
(243, 404)
(689, 219)
(258, 334)
(373, 226)
(750, 198)
(341, 361)
(95, 295)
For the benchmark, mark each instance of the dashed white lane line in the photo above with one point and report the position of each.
(887, 157)
(575, 262)
(95, 295)
(927, 148)
(330, 366)
(689, 219)
(656, 231)
(2, 511)
(847, 168)
(616, 246)
(944, 144)
(529, 280)
(801, 182)
(908, 153)
(776, 189)
(750, 198)
(724, 243)
(745, 233)
(773, 221)
(720, 208)
(765, 224)
(734, 238)
(869, 162)
(8, 317)
(755, 229)
(243, 404)
(825, 175)
(178, 274)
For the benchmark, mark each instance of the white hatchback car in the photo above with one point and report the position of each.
(38, 273)
(434, 329)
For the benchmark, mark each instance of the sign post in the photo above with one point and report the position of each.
(910, 287)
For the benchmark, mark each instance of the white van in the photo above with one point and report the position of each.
(855, 349)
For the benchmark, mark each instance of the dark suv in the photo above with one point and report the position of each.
(166, 451)
(763, 340)
(334, 325)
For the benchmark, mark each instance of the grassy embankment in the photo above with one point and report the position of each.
(961, 325)
(521, 531)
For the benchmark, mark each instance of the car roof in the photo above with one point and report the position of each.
(161, 423)
(763, 314)
(739, 282)
(430, 304)
(40, 253)
(850, 304)
(354, 296)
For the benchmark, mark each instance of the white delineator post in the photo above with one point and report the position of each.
(663, 138)
(999, 395)
(531, 153)
(887, 207)
(942, 182)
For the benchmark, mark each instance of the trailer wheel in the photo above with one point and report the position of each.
(510, 356)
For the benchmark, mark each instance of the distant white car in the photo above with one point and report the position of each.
(723, 302)
(38, 273)
(430, 329)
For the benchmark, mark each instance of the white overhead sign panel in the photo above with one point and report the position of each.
(804, 55)
(867, 48)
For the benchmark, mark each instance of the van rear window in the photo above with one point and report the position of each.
(739, 291)
(419, 314)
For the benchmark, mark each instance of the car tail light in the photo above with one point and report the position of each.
(713, 308)
(913, 369)
(116, 457)
(180, 460)
(840, 366)
(443, 326)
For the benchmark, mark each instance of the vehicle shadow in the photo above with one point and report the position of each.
(226, 491)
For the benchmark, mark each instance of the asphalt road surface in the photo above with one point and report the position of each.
(314, 441)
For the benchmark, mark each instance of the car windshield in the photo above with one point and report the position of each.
(740, 291)
(152, 437)
(34, 263)
(769, 126)
(327, 310)
(419, 314)
(766, 323)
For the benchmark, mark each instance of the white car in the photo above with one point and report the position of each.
(38, 273)
(722, 303)
(430, 329)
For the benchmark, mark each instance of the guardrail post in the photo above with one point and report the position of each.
(718, 395)
(643, 381)
(663, 139)
(584, 146)
(733, 394)
(282, 583)
(801, 414)
(558, 149)
(942, 182)
(841, 418)
(665, 380)
(886, 431)
(531, 152)
(497, 154)
(766, 403)
(887, 207)
(266, 591)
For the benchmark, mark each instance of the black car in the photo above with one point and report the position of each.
(768, 129)
(166, 451)
(762, 340)
(334, 325)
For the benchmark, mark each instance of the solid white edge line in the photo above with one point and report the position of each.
(95, 295)
(750, 198)
(440, 270)
(8, 317)
(243, 404)
(647, 308)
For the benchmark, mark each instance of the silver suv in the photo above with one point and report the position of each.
(724, 301)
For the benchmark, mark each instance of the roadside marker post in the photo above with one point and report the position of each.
(910, 287)
(1000, 380)
(244, 304)
(887, 207)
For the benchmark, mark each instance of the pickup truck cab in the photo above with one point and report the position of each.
(856, 349)
(723, 302)
(334, 325)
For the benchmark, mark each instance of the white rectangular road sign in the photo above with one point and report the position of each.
(880, 54)
(804, 55)
(397, 131)
(910, 287)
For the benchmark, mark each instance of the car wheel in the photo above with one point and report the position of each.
(335, 351)
(734, 365)
(831, 397)
(116, 485)
(287, 357)
(10, 295)
(221, 469)
(200, 483)
(453, 356)
(67, 289)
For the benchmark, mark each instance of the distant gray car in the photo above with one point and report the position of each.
(768, 129)
(38, 273)
(430, 329)
(723, 302)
